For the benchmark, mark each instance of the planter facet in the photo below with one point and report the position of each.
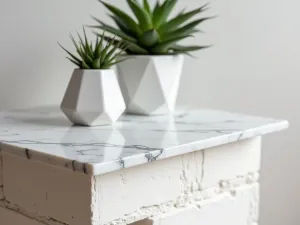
(93, 97)
(150, 83)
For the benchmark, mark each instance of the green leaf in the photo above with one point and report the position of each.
(105, 50)
(98, 46)
(132, 48)
(75, 62)
(73, 56)
(181, 32)
(187, 28)
(87, 46)
(74, 42)
(163, 13)
(123, 26)
(114, 31)
(180, 48)
(179, 20)
(85, 66)
(142, 15)
(147, 7)
(132, 25)
(149, 38)
(156, 10)
(165, 46)
(180, 13)
(118, 61)
(86, 58)
(97, 63)
(113, 50)
(118, 54)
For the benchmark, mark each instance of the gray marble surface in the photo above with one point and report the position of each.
(45, 135)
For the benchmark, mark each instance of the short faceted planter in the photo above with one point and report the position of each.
(150, 83)
(93, 98)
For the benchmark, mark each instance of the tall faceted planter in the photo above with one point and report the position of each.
(93, 97)
(150, 83)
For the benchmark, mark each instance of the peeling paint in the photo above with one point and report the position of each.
(195, 198)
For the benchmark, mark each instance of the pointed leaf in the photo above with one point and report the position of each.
(86, 58)
(73, 56)
(96, 63)
(75, 62)
(100, 45)
(165, 46)
(179, 33)
(119, 61)
(85, 66)
(113, 50)
(179, 20)
(141, 14)
(156, 10)
(132, 48)
(132, 25)
(87, 46)
(114, 31)
(122, 26)
(164, 13)
(180, 48)
(147, 7)
(185, 29)
(74, 42)
(149, 38)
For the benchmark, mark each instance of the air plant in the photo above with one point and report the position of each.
(101, 55)
(152, 32)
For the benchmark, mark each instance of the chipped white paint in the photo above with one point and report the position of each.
(164, 181)
(238, 209)
(73, 181)
(53, 192)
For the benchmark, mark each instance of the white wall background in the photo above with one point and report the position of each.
(254, 67)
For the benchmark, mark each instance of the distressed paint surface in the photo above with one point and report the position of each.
(240, 208)
(171, 181)
(47, 137)
(44, 192)
(55, 193)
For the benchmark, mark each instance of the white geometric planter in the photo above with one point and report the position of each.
(150, 83)
(93, 97)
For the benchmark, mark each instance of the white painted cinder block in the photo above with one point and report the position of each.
(53, 192)
(240, 209)
(9, 217)
(125, 196)
(230, 161)
(166, 180)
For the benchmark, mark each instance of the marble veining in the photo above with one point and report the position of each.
(46, 135)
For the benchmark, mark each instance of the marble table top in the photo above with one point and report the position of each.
(45, 135)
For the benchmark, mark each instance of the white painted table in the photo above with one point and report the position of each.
(199, 167)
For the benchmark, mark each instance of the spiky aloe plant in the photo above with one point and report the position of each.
(153, 33)
(97, 56)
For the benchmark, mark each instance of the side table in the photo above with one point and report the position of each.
(198, 167)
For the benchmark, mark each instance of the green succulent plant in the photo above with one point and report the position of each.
(101, 55)
(152, 32)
